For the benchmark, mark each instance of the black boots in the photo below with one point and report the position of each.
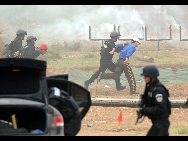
(120, 88)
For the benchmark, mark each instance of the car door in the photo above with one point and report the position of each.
(79, 93)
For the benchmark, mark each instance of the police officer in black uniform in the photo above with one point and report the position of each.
(40, 50)
(29, 50)
(156, 105)
(14, 48)
(106, 61)
(122, 64)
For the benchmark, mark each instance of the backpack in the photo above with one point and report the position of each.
(68, 107)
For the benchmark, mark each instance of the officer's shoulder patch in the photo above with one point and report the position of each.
(150, 94)
(159, 97)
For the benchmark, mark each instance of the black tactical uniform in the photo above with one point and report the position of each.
(16, 44)
(106, 62)
(156, 105)
(36, 53)
(120, 68)
(29, 51)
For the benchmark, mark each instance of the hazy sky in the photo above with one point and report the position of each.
(55, 23)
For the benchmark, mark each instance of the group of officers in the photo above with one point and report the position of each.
(16, 50)
(155, 100)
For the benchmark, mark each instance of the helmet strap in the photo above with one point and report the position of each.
(152, 80)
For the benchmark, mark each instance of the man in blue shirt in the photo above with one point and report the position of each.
(123, 64)
(106, 61)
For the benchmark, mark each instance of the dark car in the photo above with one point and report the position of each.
(25, 107)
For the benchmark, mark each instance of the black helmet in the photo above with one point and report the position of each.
(21, 32)
(114, 34)
(29, 38)
(150, 71)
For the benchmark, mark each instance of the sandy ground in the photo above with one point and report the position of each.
(177, 91)
(102, 121)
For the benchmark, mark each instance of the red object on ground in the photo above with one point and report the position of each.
(120, 117)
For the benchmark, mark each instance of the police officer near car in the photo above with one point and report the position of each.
(122, 64)
(31, 51)
(106, 61)
(155, 102)
(40, 50)
(14, 48)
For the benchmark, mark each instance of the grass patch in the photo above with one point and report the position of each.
(89, 61)
(178, 129)
(88, 58)
(53, 53)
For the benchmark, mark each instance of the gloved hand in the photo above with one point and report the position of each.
(143, 110)
(111, 52)
(138, 111)
(126, 61)
(17, 54)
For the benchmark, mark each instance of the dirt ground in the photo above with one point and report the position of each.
(177, 91)
(102, 121)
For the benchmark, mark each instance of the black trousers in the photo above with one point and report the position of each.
(159, 128)
(104, 65)
(120, 68)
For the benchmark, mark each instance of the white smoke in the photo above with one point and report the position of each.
(56, 23)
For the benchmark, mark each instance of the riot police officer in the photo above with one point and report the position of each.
(106, 61)
(122, 64)
(14, 48)
(156, 105)
(40, 50)
(29, 50)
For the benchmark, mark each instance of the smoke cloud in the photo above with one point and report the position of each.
(57, 23)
